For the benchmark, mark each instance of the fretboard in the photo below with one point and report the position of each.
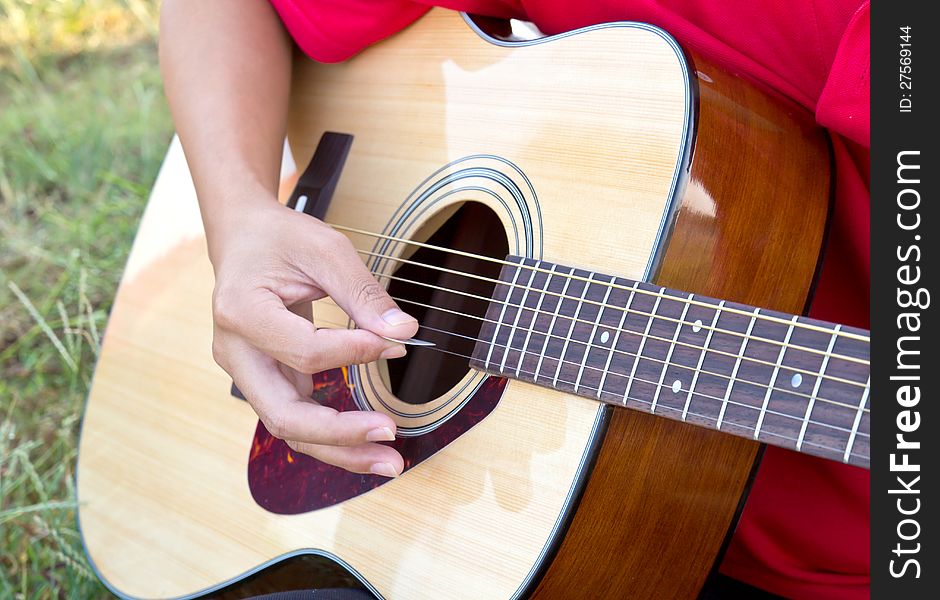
(781, 379)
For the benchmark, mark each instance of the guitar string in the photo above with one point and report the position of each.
(761, 386)
(658, 385)
(705, 417)
(586, 279)
(629, 311)
(602, 305)
(845, 334)
(562, 361)
(628, 331)
(689, 400)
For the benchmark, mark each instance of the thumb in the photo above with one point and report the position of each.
(351, 285)
(370, 306)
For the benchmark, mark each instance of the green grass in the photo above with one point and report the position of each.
(83, 127)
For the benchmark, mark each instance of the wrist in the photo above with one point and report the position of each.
(228, 217)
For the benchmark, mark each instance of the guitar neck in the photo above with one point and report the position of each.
(777, 378)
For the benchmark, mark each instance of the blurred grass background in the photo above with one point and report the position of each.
(83, 128)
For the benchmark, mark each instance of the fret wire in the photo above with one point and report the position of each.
(858, 419)
(505, 262)
(654, 384)
(809, 407)
(701, 359)
(734, 371)
(587, 349)
(542, 353)
(773, 378)
(672, 347)
(613, 345)
(639, 352)
(515, 323)
(528, 335)
(730, 354)
(645, 292)
(551, 326)
(499, 321)
(564, 347)
(642, 401)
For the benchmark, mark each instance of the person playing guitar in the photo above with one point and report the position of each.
(804, 531)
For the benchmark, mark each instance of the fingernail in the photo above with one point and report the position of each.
(396, 317)
(383, 469)
(380, 434)
(396, 351)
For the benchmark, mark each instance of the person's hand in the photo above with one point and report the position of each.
(227, 76)
(270, 262)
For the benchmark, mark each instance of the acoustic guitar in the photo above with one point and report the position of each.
(584, 225)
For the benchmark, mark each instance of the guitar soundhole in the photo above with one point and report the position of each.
(427, 373)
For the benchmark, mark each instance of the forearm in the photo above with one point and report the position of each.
(226, 71)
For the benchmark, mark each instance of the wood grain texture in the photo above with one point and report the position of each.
(165, 510)
(739, 234)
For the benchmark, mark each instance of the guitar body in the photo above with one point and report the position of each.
(606, 149)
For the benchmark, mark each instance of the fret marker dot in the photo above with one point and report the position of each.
(796, 380)
(697, 326)
(605, 336)
(676, 386)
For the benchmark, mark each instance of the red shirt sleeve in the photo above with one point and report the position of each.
(334, 30)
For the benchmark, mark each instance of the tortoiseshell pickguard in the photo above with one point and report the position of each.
(285, 482)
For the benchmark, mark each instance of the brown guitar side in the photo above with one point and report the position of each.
(663, 495)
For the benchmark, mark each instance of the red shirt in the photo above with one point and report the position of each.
(804, 531)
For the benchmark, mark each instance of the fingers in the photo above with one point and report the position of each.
(253, 306)
(305, 421)
(267, 347)
(365, 458)
(302, 382)
(289, 416)
(351, 285)
(261, 318)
